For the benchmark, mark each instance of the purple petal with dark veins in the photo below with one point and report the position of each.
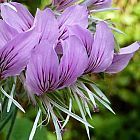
(97, 4)
(121, 59)
(74, 15)
(15, 54)
(21, 19)
(7, 33)
(102, 49)
(84, 35)
(42, 69)
(62, 4)
(73, 61)
(46, 24)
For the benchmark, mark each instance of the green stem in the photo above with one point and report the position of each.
(12, 124)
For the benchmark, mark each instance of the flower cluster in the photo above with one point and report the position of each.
(55, 48)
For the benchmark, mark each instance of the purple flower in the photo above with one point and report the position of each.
(17, 44)
(15, 49)
(97, 4)
(54, 29)
(31, 31)
(100, 49)
(47, 72)
(14, 55)
(57, 26)
(22, 20)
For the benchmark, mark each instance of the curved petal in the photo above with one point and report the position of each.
(84, 35)
(73, 61)
(20, 19)
(16, 53)
(62, 4)
(97, 4)
(42, 69)
(46, 24)
(122, 58)
(74, 15)
(102, 49)
(7, 33)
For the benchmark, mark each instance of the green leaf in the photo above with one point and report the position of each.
(68, 116)
(55, 121)
(90, 94)
(100, 93)
(22, 128)
(104, 103)
(87, 109)
(44, 3)
(13, 100)
(70, 113)
(82, 113)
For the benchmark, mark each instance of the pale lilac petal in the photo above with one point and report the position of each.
(74, 15)
(97, 4)
(46, 24)
(84, 35)
(15, 54)
(73, 61)
(102, 49)
(7, 33)
(121, 59)
(62, 4)
(21, 19)
(42, 69)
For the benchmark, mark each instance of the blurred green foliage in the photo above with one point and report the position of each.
(123, 89)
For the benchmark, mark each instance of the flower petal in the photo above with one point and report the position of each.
(73, 61)
(15, 54)
(46, 24)
(102, 49)
(74, 15)
(7, 33)
(97, 4)
(42, 69)
(62, 4)
(84, 35)
(122, 58)
(21, 19)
